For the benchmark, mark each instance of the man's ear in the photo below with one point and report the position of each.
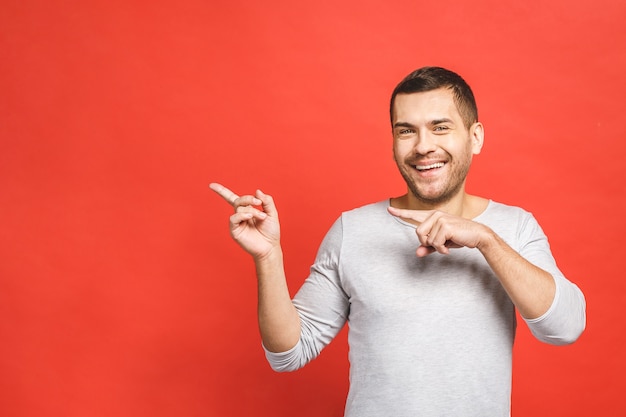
(477, 136)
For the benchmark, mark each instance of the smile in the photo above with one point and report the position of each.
(427, 167)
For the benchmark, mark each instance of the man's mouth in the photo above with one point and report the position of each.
(428, 167)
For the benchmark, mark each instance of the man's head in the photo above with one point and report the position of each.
(433, 78)
(436, 134)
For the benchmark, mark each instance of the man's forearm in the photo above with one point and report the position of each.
(530, 288)
(279, 322)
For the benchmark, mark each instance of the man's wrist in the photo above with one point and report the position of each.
(273, 255)
(488, 240)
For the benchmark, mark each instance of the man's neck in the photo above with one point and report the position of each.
(462, 205)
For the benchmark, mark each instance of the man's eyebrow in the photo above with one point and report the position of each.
(433, 122)
(440, 121)
(402, 124)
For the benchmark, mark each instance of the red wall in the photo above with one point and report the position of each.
(121, 293)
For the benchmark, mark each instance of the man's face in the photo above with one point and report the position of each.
(432, 146)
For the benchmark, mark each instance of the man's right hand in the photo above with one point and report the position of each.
(256, 230)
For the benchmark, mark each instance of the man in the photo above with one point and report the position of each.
(428, 281)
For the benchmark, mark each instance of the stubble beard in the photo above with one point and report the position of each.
(449, 189)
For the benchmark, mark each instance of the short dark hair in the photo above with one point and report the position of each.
(433, 78)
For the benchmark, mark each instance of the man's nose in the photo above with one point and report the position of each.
(424, 143)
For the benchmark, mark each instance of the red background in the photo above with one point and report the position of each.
(121, 293)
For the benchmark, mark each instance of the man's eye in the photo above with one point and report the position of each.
(405, 131)
(440, 128)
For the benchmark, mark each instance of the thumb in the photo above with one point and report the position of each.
(267, 203)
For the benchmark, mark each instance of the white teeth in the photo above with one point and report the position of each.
(431, 166)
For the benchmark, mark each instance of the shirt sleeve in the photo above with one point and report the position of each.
(321, 303)
(565, 320)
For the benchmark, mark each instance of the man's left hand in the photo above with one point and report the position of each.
(438, 231)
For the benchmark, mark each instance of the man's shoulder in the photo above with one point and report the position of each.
(499, 206)
(367, 217)
(372, 209)
(501, 212)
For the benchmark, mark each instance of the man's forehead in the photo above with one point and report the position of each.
(427, 104)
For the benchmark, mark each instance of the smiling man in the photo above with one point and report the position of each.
(428, 281)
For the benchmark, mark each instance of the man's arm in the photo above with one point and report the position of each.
(530, 288)
(255, 227)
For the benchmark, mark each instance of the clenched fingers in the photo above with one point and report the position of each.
(433, 234)
(244, 215)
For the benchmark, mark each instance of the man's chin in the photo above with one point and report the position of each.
(432, 197)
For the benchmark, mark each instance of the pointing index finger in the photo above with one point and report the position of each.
(414, 215)
(224, 192)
